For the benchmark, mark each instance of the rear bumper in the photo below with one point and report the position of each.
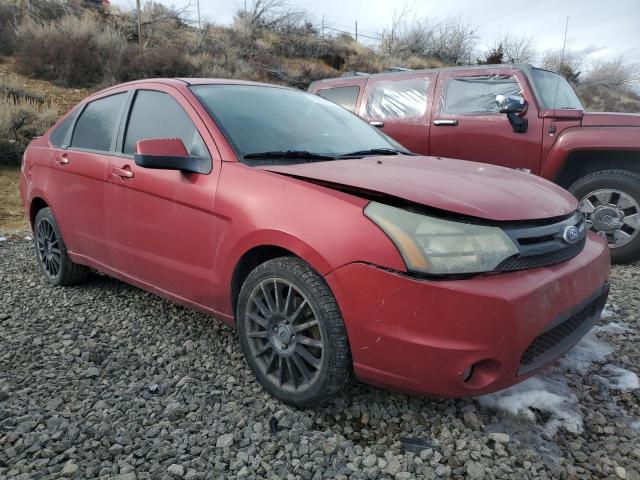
(424, 336)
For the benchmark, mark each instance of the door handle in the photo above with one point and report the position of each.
(376, 123)
(445, 122)
(124, 172)
(62, 160)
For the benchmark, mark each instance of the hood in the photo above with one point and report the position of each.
(467, 188)
(592, 119)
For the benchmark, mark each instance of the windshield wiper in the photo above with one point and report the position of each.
(303, 154)
(374, 151)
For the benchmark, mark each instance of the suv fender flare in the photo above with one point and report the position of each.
(582, 139)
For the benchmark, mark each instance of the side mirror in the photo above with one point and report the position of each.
(168, 154)
(512, 105)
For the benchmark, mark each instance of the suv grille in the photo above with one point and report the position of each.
(556, 339)
(543, 245)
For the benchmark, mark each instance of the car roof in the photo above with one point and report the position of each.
(525, 67)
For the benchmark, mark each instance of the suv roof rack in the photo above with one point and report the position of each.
(354, 74)
(399, 69)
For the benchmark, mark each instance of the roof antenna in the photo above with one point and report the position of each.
(564, 45)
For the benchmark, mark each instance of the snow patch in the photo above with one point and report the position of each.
(606, 313)
(539, 398)
(3, 239)
(589, 350)
(28, 238)
(613, 328)
(619, 378)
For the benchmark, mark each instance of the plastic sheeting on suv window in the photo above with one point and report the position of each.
(398, 99)
(469, 95)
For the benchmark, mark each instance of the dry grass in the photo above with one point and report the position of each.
(11, 212)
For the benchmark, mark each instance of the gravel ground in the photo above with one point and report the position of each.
(106, 381)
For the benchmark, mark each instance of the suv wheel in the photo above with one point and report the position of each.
(55, 264)
(610, 200)
(292, 334)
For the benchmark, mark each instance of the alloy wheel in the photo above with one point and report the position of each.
(284, 335)
(48, 246)
(613, 214)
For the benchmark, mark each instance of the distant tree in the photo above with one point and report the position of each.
(613, 73)
(569, 64)
(514, 49)
(276, 15)
(493, 57)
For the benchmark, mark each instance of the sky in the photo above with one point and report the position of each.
(605, 28)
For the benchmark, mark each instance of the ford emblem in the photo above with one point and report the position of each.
(571, 234)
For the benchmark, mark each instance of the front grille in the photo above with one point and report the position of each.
(555, 340)
(543, 244)
(535, 261)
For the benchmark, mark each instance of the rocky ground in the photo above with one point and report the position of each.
(106, 381)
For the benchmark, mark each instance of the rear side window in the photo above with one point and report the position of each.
(158, 115)
(399, 99)
(58, 135)
(97, 123)
(346, 97)
(469, 95)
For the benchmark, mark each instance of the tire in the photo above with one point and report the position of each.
(623, 190)
(53, 259)
(277, 331)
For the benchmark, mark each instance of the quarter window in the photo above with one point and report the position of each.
(58, 135)
(476, 95)
(399, 99)
(158, 115)
(96, 126)
(346, 97)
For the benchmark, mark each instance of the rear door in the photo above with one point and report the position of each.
(399, 105)
(161, 221)
(466, 123)
(79, 173)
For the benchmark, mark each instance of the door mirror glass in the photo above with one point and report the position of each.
(168, 154)
(510, 103)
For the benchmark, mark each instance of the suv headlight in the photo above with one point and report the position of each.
(438, 247)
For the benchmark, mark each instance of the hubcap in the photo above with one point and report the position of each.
(284, 334)
(48, 248)
(613, 214)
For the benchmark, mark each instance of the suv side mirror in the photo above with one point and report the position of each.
(512, 105)
(168, 154)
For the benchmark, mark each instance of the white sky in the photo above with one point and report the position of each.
(607, 28)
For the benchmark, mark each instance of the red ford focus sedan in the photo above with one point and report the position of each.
(332, 249)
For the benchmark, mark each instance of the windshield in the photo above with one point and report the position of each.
(269, 120)
(547, 82)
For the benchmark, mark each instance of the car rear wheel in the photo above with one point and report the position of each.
(292, 333)
(610, 201)
(54, 262)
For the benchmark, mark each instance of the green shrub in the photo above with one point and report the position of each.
(73, 51)
(159, 62)
(22, 119)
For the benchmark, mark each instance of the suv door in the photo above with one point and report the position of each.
(161, 223)
(82, 146)
(399, 106)
(467, 124)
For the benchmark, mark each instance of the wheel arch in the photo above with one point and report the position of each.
(37, 203)
(579, 163)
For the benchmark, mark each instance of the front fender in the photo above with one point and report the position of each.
(576, 139)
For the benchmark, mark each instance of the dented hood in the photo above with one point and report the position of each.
(468, 188)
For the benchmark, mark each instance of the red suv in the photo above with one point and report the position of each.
(331, 248)
(517, 116)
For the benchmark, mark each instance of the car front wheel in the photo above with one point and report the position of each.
(292, 333)
(53, 259)
(610, 201)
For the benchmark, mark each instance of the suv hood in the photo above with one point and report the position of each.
(591, 119)
(467, 188)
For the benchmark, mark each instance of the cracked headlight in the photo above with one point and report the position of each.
(439, 247)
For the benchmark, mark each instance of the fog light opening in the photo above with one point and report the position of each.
(468, 372)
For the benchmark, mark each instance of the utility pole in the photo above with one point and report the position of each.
(322, 26)
(356, 30)
(199, 36)
(139, 25)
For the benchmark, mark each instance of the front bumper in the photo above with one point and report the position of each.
(468, 337)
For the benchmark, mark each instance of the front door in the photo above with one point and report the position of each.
(466, 123)
(161, 221)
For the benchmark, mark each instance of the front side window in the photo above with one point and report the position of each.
(158, 115)
(398, 99)
(271, 119)
(346, 97)
(477, 95)
(96, 126)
